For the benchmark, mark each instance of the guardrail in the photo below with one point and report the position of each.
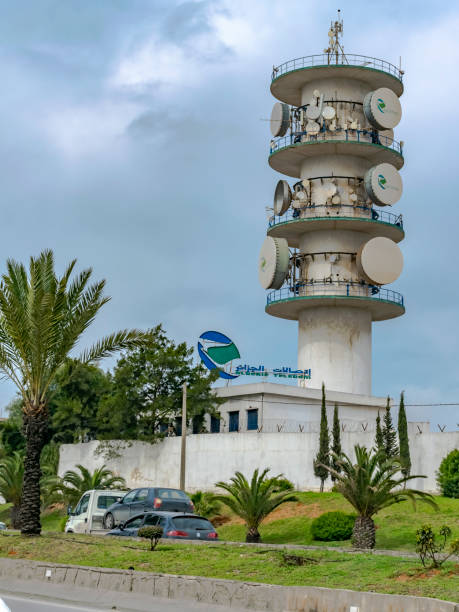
(344, 59)
(339, 135)
(337, 211)
(339, 289)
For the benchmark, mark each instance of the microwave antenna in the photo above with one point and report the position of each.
(334, 43)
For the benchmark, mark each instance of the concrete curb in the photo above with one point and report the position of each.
(229, 593)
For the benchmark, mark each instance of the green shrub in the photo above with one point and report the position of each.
(448, 475)
(281, 484)
(63, 522)
(429, 549)
(151, 533)
(205, 504)
(333, 526)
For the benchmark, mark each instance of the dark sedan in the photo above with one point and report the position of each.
(175, 525)
(142, 500)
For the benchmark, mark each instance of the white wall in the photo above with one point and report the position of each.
(214, 457)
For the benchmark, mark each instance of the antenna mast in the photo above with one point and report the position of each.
(335, 46)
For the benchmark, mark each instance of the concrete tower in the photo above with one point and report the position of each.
(331, 244)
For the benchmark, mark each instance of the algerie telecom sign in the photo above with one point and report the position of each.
(217, 351)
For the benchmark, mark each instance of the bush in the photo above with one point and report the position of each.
(281, 484)
(63, 522)
(151, 533)
(429, 549)
(205, 504)
(333, 526)
(448, 475)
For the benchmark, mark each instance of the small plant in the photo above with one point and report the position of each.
(429, 549)
(153, 534)
(63, 522)
(448, 474)
(281, 484)
(333, 526)
(205, 504)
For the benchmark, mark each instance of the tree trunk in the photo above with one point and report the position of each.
(322, 486)
(35, 432)
(15, 523)
(253, 536)
(363, 535)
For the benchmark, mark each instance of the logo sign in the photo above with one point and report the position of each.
(217, 351)
(381, 105)
(382, 181)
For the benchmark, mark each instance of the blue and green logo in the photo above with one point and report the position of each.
(381, 105)
(382, 181)
(217, 351)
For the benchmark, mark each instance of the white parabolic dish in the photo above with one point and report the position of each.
(383, 184)
(282, 197)
(273, 263)
(382, 108)
(280, 117)
(380, 261)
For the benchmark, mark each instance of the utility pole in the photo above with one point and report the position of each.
(183, 446)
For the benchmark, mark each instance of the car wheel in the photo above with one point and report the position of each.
(109, 521)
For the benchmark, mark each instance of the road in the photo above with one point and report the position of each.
(33, 604)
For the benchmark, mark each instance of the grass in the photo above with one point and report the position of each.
(329, 568)
(396, 526)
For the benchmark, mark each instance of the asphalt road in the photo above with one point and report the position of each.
(32, 604)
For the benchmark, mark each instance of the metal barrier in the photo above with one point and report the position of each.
(337, 136)
(345, 59)
(339, 289)
(334, 211)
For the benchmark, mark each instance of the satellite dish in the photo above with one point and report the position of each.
(336, 199)
(328, 113)
(280, 119)
(383, 184)
(273, 263)
(330, 189)
(312, 127)
(320, 196)
(382, 108)
(316, 93)
(380, 261)
(301, 195)
(282, 197)
(387, 137)
(353, 198)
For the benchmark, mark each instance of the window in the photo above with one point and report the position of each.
(163, 522)
(214, 424)
(197, 424)
(172, 494)
(105, 501)
(178, 426)
(163, 427)
(151, 519)
(134, 523)
(252, 419)
(83, 504)
(142, 495)
(190, 522)
(234, 421)
(127, 499)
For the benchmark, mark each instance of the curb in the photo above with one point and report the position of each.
(218, 592)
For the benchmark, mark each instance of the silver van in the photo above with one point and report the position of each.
(89, 512)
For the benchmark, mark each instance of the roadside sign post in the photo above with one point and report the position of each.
(183, 445)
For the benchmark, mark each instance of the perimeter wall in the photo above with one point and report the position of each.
(214, 457)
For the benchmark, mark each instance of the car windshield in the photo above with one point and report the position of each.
(105, 501)
(172, 494)
(191, 522)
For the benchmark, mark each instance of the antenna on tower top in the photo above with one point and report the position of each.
(334, 44)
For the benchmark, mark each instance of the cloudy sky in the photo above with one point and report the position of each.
(133, 136)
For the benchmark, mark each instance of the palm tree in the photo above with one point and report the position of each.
(73, 484)
(370, 485)
(253, 502)
(205, 504)
(42, 317)
(11, 476)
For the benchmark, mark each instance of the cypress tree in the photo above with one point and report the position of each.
(403, 441)
(389, 434)
(323, 456)
(379, 438)
(336, 448)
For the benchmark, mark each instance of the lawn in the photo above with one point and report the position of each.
(324, 568)
(396, 526)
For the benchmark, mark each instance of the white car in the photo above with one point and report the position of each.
(89, 512)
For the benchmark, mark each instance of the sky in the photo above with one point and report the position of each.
(133, 136)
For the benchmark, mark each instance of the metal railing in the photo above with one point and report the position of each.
(339, 135)
(337, 211)
(339, 289)
(345, 59)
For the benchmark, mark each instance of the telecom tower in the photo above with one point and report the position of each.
(330, 247)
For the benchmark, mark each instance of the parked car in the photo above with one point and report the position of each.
(174, 524)
(142, 500)
(89, 512)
